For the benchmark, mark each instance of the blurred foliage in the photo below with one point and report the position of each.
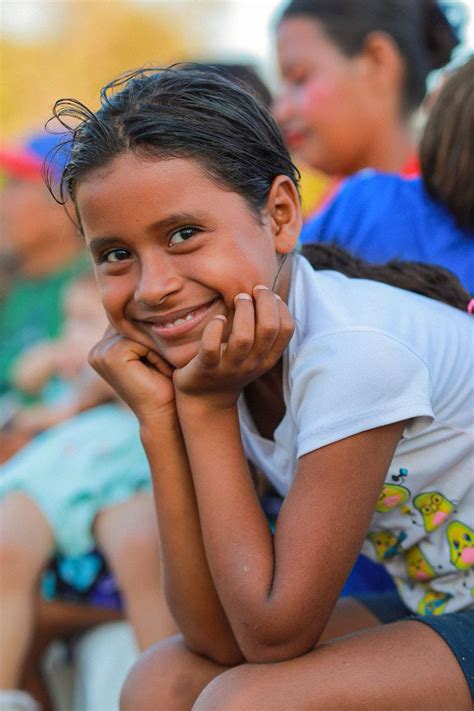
(90, 43)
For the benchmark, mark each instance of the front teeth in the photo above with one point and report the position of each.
(179, 321)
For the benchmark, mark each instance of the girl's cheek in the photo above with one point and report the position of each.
(318, 95)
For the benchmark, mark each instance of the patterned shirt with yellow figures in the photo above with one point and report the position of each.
(364, 355)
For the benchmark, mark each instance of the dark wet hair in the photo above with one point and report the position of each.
(435, 282)
(184, 111)
(447, 147)
(187, 113)
(246, 75)
(419, 28)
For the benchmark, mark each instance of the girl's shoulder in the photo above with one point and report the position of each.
(328, 302)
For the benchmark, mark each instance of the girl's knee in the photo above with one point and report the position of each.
(128, 541)
(160, 679)
(25, 543)
(233, 690)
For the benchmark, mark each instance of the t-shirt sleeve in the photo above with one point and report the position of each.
(345, 383)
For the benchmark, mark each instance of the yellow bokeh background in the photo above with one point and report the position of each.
(91, 42)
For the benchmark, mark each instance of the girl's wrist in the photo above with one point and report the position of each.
(202, 405)
(156, 424)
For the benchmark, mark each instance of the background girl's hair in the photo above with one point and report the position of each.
(420, 29)
(437, 283)
(447, 147)
(185, 111)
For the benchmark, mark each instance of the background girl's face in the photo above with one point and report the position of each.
(85, 317)
(322, 108)
(171, 249)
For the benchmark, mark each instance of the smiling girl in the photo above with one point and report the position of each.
(351, 396)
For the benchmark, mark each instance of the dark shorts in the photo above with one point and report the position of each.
(456, 628)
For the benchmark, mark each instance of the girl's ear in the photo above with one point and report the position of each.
(284, 213)
(382, 63)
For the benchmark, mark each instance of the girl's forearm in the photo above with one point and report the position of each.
(190, 590)
(237, 538)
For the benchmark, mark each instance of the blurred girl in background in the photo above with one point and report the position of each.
(354, 72)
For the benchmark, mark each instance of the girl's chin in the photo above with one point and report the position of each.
(179, 356)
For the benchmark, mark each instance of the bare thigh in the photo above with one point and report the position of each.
(26, 537)
(124, 530)
(404, 666)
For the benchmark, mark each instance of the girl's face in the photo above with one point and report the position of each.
(85, 317)
(171, 250)
(324, 108)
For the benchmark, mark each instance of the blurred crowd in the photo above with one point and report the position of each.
(79, 546)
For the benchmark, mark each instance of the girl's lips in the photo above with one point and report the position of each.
(184, 325)
(294, 138)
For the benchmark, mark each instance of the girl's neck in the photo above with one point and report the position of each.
(264, 396)
(390, 150)
(264, 400)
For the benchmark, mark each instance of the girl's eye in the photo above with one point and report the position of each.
(297, 78)
(115, 255)
(182, 235)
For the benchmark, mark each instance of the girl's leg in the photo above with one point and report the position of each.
(404, 666)
(127, 534)
(26, 543)
(169, 676)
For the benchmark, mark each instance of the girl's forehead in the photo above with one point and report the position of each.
(136, 192)
(129, 165)
(129, 177)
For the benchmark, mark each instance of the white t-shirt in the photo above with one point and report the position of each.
(363, 355)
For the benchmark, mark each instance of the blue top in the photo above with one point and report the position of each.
(379, 217)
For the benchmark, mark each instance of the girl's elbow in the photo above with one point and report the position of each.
(226, 655)
(271, 654)
(270, 649)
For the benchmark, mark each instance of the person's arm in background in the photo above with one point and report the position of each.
(35, 366)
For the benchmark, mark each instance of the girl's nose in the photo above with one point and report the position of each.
(157, 282)
(281, 108)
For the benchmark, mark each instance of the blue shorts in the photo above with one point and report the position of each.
(456, 628)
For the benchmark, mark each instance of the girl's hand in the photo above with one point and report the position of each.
(139, 375)
(261, 330)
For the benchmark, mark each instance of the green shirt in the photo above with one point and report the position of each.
(32, 312)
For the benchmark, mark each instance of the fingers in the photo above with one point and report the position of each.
(262, 328)
(241, 339)
(268, 318)
(285, 331)
(210, 348)
(159, 363)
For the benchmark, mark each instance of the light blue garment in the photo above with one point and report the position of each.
(379, 217)
(78, 468)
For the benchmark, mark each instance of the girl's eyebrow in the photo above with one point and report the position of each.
(178, 218)
(97, 244)
(175, 220)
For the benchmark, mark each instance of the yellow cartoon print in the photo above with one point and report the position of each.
(418, 567)
(391, 496)
(434, 508)
(386, 543)
(461, 545)
(433, 602)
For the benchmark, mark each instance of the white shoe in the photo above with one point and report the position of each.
(16, 700)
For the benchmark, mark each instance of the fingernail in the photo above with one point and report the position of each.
(221, 317)
(277, 296)
(244, 296)
(260, 286)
